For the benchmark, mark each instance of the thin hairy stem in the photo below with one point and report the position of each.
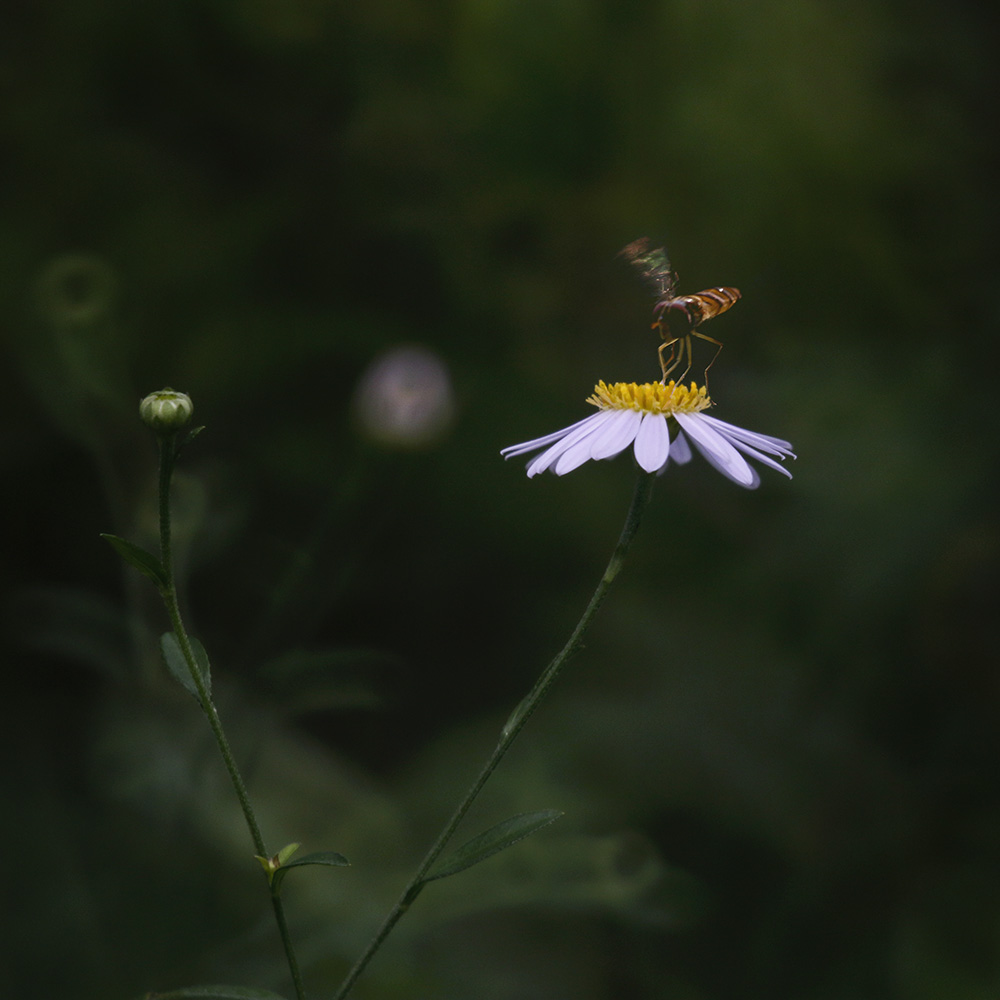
(514, 725)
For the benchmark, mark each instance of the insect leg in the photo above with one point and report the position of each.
(711, 340)
(675, 358)
(685, 343)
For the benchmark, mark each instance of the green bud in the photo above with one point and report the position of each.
(286, 852)
(166, 411)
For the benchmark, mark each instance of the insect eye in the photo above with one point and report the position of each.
(678, 317)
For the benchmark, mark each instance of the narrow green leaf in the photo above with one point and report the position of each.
(177, 665)
(494, 840)
(216, 993)
(145, 562)
(319, 858)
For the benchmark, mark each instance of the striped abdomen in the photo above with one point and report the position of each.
(677, 317)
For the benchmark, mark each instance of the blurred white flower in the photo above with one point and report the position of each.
(405, 398)
(643, 414)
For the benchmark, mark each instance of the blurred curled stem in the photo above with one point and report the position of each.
(168, 455)
(514, 725)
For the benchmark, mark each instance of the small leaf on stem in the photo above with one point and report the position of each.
(319, 858)
(178, 666)
(145, 562)
(492, 841)
(188, 438)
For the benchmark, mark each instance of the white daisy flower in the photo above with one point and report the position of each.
(643, 414)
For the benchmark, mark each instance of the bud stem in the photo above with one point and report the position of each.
(168, 455)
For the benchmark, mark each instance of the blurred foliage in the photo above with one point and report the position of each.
(778, 754)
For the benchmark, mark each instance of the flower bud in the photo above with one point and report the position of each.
(166, 411)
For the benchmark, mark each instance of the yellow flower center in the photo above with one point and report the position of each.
(652, 397)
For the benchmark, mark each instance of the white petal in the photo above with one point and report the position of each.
(578, 431)
(772, 445)
(680, 450)
(526, 446)
(579, 452)
(761, 457)
(541, 462)
(652, 442)
(717, 450)
(616, 435)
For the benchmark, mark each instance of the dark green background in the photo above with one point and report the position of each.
(779, 753)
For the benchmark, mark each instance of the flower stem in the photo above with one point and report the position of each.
(168, 455)
(513, 726)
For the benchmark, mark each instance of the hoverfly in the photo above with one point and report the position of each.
(677, 317)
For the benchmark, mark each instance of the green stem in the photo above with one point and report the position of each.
(514, 725)
(168, 454)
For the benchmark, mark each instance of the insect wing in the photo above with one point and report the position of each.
(652, 264)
